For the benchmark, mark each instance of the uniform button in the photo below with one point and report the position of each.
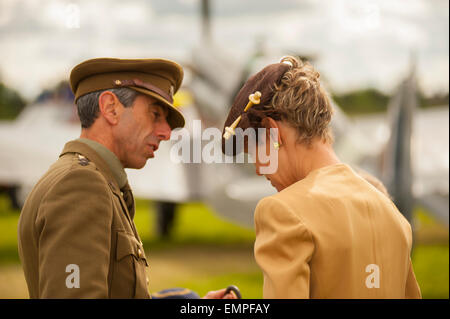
(140, 253)
(146, 279)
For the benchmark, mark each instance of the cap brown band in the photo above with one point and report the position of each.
(145, 85)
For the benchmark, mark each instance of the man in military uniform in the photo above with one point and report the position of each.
(77, 238)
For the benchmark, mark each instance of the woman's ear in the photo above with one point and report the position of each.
(109, 107)
(269, 123)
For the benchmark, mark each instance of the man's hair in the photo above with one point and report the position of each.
(88, 108)
(302, 101)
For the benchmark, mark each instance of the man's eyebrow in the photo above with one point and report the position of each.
(162, 108)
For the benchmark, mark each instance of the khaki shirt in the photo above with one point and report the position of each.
(333, 235)
(76, 237)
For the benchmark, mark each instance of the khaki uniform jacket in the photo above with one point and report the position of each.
(76, 215)
(333, 235)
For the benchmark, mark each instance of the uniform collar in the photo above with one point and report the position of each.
(103, 158)
(110, 158)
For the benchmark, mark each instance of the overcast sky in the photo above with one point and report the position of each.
(358, 43)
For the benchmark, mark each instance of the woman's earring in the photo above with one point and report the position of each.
(276, 145)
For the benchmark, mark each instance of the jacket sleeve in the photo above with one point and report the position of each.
(283, 249)
(75, 237)
(412, 290)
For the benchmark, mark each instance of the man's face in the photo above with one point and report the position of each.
(140, 130)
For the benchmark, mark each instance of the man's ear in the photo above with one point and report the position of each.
(270, 123)
(109, 107)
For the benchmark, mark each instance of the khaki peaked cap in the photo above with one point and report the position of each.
(158, 78)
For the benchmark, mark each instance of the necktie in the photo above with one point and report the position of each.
(129, 199)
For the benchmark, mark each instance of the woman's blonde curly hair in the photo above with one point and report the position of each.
(301, 101)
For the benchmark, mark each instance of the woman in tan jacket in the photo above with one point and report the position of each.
(327, 233)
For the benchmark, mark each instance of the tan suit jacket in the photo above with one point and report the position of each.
(333, 235)
(76, 215)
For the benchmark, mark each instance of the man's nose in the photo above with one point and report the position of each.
(163, 130)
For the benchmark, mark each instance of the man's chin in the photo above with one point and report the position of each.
(139, 164)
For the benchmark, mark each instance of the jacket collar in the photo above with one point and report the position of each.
(83, 149)
(110, 158)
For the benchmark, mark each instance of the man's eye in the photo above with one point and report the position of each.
(157, 115)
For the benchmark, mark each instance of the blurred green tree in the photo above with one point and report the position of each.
(362, 101)
(370, 100)
(11, 103)
(437, 99)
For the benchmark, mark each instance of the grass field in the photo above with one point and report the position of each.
(207, 253)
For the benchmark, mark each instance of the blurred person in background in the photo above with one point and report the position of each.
(328, 232)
